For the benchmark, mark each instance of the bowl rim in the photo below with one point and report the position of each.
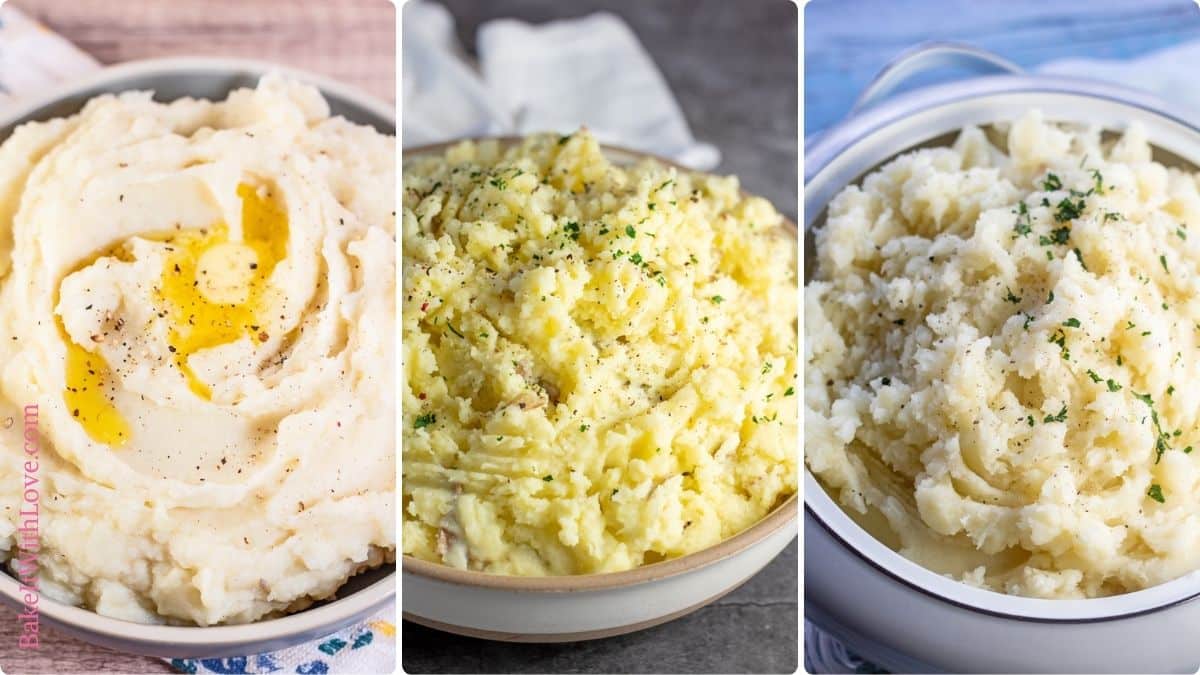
(322, 619)
(826, 149)
(780, 516)
(167, 65)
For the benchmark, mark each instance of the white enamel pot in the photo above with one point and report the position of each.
(885, 607)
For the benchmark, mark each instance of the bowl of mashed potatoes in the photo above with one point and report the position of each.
(196, 288)
(999, 333)
(599, 387)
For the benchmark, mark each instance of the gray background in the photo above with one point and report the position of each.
(733, 68)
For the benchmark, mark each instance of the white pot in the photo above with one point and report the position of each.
(887, 608)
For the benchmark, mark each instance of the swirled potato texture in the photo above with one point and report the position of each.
(1001, 358)
(598, 360)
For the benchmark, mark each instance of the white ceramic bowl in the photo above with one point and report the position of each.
(892, 610)
(586, 607)
(363, 594)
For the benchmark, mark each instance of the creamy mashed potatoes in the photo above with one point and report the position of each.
(1001, 360)
(599, 362)
(196, 303)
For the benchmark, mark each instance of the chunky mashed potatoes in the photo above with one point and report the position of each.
(196, 354)
(1001, 360)
(599, 362)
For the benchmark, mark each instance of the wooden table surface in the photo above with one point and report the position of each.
(353, 41)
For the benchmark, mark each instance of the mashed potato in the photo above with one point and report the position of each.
(1001, 360)
(599, 362)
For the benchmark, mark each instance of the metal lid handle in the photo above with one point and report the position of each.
(925, 57)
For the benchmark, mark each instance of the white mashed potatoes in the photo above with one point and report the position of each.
(197, 399)
(1002, 365)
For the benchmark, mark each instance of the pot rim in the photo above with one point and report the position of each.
(824, 150)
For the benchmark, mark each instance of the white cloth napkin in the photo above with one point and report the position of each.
(1170, 73)
(555, 77)
(33, 59)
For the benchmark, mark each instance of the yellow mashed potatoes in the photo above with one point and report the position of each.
(599, 361)
(1001, 360)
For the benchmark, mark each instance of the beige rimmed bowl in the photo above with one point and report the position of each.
(590, 606)
(363, 594)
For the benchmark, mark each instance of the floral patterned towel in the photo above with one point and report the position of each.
(368, 647)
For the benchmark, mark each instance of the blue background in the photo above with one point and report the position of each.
(846, 42)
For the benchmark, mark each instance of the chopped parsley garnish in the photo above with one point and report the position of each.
(1113, 386)
(630, 231)
(547, 478)
(1155, 493)
(791, 391)
(1187, 450)
(1163, 259)
(1051, 183)
(1030, 420)
(1068, 210)
(1181, 234)
(1050, 298)
(1024, 223)
(1112, 215)
(717, 299)
(1098, 188)
(1059, 338)
(1079, 257)
(583, 428)
(636, 258)
(498, 183)
(455, 330)
(766, 368)
(899, 322)
(1010, 297)
(564, 139)
(1095, 378)
(1060, 417)
(1028, 320)
(1171, 390)
(424, 420)
(572, 230)
(1071, 323)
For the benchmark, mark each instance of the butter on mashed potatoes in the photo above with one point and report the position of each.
(1001, 360)
(599, 361)
(196, 354)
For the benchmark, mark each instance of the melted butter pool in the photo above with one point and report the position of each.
(212, 291)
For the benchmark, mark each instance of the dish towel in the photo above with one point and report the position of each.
(1169, 73)
(556, 76)
(32, 60)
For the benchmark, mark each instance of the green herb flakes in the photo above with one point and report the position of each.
(1155, 492)
(1060, 417)
(424, 420)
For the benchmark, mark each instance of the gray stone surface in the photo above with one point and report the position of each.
(733, 67)
(752, 630)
